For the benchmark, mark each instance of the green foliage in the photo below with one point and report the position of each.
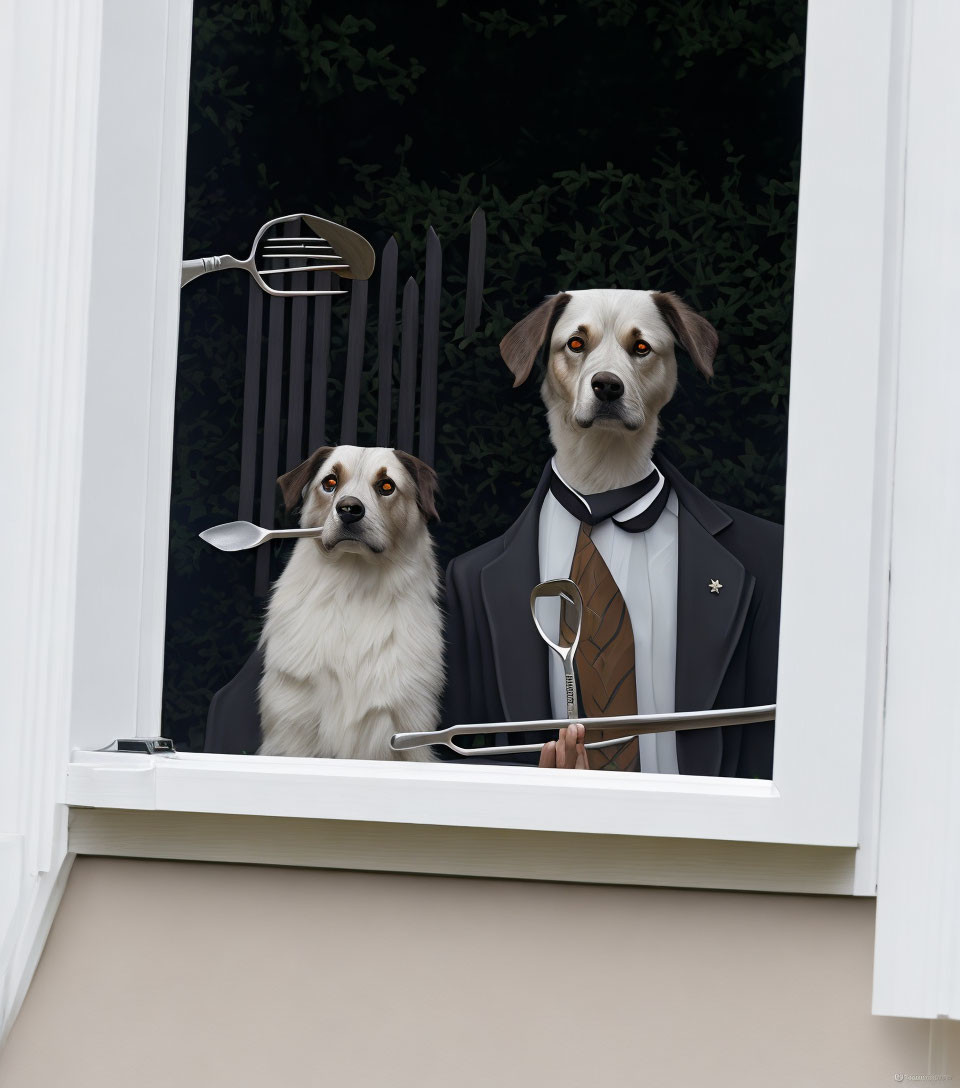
(491, 23)
(297, 106)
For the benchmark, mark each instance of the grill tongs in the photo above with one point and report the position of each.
(627, 725)
(615, 729)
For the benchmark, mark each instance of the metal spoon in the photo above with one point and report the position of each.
(571, 619)
(238, 536)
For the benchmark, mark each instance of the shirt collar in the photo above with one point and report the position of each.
(629, 512)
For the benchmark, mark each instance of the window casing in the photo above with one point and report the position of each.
(823, 791)
(95, 125)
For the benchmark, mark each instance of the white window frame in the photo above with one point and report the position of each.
(814, 827)
(833, 581)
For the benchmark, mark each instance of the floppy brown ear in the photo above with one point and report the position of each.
(293, 482)
(520, 346)
(693, 333)
(426, 483)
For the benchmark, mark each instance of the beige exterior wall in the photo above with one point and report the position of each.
(164, 973)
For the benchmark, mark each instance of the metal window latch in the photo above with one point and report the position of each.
(147, 745)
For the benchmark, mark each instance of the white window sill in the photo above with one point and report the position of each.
(447, 794)
(450, 819)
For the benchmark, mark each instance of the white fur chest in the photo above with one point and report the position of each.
(353, 653)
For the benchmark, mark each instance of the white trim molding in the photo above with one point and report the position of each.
(134, 327)
(85, 232)
(837, 519)
(454, 794)
(48, 130)
(917, 957)
(458, 851)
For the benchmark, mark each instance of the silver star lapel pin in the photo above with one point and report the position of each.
(715, 585)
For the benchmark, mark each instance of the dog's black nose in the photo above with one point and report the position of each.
(350, 509)
(606, 386)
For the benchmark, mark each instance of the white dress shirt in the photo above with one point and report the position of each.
(644, 566)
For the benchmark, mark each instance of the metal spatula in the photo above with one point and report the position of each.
(238, 536)
(330, 248)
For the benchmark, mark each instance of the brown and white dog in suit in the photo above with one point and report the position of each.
(610, 366)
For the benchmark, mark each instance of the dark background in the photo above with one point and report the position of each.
(611, 143)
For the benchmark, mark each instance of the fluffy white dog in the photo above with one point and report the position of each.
(353, 647)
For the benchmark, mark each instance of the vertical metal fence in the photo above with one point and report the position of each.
(291, 370)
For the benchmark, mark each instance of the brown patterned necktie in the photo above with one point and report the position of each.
(606, 659)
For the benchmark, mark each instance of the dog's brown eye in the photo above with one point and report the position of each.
(386, 486)
(329, 483)
(641, 347)
(576, 343)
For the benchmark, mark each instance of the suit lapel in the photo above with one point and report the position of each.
(520, 657)
(708, 624)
